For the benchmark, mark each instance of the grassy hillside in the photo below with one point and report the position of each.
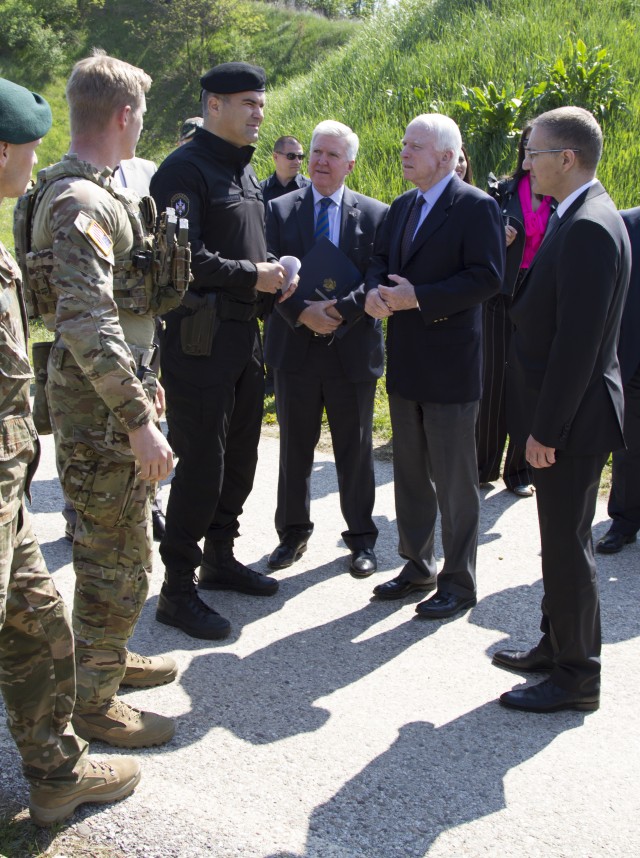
(441, 45)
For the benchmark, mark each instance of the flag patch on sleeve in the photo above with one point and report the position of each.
(96, 235)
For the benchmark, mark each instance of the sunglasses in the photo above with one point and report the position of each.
(292, 156)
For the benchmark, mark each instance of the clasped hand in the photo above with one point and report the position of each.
(386, 300)
(321, 317)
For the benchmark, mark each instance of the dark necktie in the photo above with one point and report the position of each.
(552, 226)
(412, 223)
(322, 224)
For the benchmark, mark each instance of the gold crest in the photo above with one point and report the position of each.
(329, 285)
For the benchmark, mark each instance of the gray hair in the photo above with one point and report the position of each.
(337, 129)
(446, 132)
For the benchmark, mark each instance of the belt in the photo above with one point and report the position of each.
(235, 311)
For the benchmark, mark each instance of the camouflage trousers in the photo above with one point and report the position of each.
(37, 671)
(112, 546)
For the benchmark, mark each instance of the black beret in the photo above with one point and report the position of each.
(234, 77)
(24, 116)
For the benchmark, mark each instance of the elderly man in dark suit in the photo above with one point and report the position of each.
(565, 399)
(316, 366)
(624, 498)
(441, 256)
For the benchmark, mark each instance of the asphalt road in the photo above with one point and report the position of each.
(332, 726)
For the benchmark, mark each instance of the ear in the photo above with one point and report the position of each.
(213, 104)
(350, 166)
(448, 157)
(568, 159)
(123, 115)
(4, 153)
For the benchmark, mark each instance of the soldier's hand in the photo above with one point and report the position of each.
(152, 452)
(271, 276)
(316, 317)
(160, 402)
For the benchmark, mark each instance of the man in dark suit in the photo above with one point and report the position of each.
(442, 255)
(624, 498)
(315, 366)
(565, 399)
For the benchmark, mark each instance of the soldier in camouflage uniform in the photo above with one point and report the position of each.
(37, 675)
(87, 265)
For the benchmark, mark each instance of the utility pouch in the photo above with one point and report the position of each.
(40, 411)
(198, 329)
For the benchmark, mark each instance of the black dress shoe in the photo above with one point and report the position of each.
(529, 662)
(548, 697)
(444, 605)
(363, 563)
(287, 552)
(613, 542)
(523, 491)
(398, 589)
(157, 518)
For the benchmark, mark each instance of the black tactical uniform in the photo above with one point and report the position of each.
(215, 400)
(272, 188)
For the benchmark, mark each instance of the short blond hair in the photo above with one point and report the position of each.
(100, 85)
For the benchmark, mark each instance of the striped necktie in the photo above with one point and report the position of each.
(322, 224)
(409, 230)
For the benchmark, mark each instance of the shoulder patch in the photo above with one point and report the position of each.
(96, 235)
(180, 203)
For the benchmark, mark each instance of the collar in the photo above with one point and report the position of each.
(566, 203)
(336, 196)
(432, 195)
(221, 148)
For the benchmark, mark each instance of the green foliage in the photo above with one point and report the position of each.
(587, 78)
(31, 45)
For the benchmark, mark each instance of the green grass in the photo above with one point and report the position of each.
(439, 46)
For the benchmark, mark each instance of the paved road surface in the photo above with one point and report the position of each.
(332, 726)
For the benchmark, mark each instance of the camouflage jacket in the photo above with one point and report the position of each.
(18, 438)
(87, 230)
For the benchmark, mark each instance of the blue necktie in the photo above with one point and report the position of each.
(322, 224)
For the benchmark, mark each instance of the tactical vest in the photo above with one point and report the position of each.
(152, 278)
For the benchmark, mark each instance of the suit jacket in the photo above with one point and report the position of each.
(290, 228)
(629, 345)
(564, 385)
(137, 174)
(434, 353)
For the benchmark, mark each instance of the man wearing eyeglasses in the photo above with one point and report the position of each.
(565, 400)
(288, 157)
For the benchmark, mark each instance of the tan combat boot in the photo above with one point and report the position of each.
(119, 724)
(144, 672)
(103, 781)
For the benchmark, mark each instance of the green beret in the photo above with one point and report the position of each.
(24, 116)
(234, 77)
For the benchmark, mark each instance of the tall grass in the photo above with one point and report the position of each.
(437, 47)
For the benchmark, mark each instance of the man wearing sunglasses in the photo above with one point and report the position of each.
(288, 157)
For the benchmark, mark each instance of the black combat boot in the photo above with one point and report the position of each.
(221, 571)
(180, 606)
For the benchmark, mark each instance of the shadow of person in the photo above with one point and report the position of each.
(270, 694)
(429, 781)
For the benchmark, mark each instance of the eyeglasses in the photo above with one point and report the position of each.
(531, 153)
(291, 156)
